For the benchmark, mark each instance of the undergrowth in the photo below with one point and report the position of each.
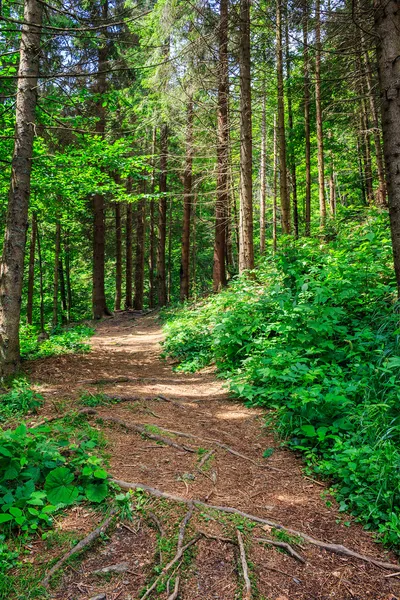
(18, 400)
(313, 333)
(60, 341)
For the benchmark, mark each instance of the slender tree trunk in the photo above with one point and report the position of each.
(332, 189)
(194, 247)
(284, 192)
(381, 192)
(169, 263)
(222, 199)
(387, 27)
(153, 244)
(118, 256)
(162, 219)
(129, 254)
(187, 205)
(292, 157)
(67, 254)
(306, 71)
(31, 272)
(12, 262)
(366, 155)
(263, 166)
(63, 294)
(41, 287)
(361, 172)
(246, 247)
(275, 190)
(56, 273)
(140, 247)
(99, 230)
(318, 109)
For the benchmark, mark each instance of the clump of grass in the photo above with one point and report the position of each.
(19, 400)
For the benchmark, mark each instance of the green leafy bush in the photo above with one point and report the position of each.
(314, 335)
(19, 400)
(60, 341)
(45, 469)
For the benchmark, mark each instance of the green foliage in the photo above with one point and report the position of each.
(315, 336)
(93, 400)
(61, 341)
(20, 400)
(45, 469)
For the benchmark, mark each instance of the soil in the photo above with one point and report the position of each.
(125, 362)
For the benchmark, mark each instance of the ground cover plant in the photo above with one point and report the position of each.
(61, 340)
(314, 335)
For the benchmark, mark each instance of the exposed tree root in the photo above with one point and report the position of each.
(245, 568)
(174, 402)
(91, 537)
(175, 593)
(283, 545)
(139, 428)
(110, 380)
(180, 552)
(205, 459)
(334, 548)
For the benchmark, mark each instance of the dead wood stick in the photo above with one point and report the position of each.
(245, 568)
(91, 537)
(107, 381)
(174, 402)
(169, 566)
(175, 593)
(182, 529)
(334, 548)
(283, 545)
(218, 538)
(220, 444)
(139, 428)
(205, 459)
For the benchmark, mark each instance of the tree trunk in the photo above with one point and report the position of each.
(12, 262)
(169, 264)
(387, 27)
(263, 166)
(306, 67)
(162, 218)
(318, 110)
(139, 259)
(56, 273)
(62, 287)
(187, 205)
(246, 247)
(284, 192)
(381, 192)
(153, 245)
(67, 254)
(194, 247)
(222, 198)
(99, 231)
(31, 272)
(118, 257)
(292, 157)
(275, 190)
(129, 254)
(41, 287)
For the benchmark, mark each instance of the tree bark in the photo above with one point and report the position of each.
(246, 246)
(129, 253)
(56, 273)
(306, 68)
(284, 192)
(162, 218)
(222, 198)
(153, 244)
(99, 231)
(67, 254)
(263, 166)
(387, 27)
(275, 190)
(63, 294)
(139, 258)
(292, 157)
(318, 110)
(118, 257)
(41, 287)
(187, 205)
(31, 272)
(12, 262)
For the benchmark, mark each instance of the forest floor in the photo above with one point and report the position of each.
(125, 362)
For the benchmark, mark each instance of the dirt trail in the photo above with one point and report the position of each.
(128, 348)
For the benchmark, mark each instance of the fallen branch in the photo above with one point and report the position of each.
(91, 537)
(183, 526)
(175, 593)
(334, 548)
(107, 381)
(180, 552)
(245, 568)
(205, 459)
(139, 428)
(220, 444)
(283, 545)
(174, 402)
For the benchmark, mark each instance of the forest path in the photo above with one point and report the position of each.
(125, 362)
